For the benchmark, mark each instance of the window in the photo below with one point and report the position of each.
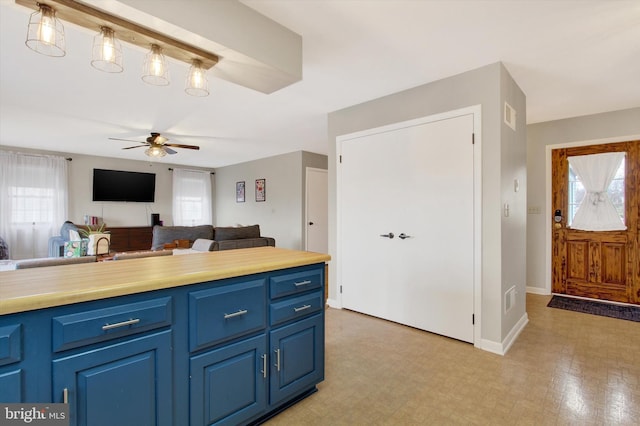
(191, 197)
(604, 209)
(615, 191)
(33, 201)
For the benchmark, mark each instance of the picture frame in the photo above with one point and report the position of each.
(261, 187)
(240, 191)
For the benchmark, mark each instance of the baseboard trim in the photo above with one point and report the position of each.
(333, 303)
(538, 290)
(503, 348)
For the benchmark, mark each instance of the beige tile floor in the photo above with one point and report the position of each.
(566, 368)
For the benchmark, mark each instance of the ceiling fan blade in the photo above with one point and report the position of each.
(126, 140)
(169, 150)
(137, 146)
(178, 145)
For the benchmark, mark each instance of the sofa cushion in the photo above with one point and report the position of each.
(222, 233)
(243, 243)
(168, 234)
(202, 244)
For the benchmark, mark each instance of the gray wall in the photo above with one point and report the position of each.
(488, 86)
(606, 127)
(281, 216)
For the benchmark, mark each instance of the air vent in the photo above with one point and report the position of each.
(509, 116)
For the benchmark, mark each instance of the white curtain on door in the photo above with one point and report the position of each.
(33, 201)
(192, 198)
(597, 212)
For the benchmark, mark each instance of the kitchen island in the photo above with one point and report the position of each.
(209, 338)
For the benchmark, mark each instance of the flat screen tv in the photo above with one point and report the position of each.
(117, 185)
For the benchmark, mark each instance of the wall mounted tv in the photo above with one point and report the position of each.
(117, 185)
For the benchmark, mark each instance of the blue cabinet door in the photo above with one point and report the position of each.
(128, 383)
(229, 385)
(297, 355)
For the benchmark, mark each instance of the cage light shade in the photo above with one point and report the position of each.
(107, 51)
(155, 152)
(155, 70)
(45, 33)
(197, 84)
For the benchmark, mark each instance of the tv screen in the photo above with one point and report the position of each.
(116, 185)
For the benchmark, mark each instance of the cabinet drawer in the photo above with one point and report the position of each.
(296, 307)
(84, 328)
(296, 282)
(10, 344)
(223, 313)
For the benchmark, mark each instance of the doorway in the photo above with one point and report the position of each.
(317, 211)
(592, 263)
(407, 231)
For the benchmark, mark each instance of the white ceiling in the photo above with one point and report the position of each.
(571, 58)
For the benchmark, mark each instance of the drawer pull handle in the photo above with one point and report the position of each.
(65, 396)
(277, 351)
(305, 282)
(235, 314)
(301, 308)
(264, 365)
(120, 324)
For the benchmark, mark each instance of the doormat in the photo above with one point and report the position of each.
(630, 313)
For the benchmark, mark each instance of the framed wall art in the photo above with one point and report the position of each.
(261, 190)
(240, 192)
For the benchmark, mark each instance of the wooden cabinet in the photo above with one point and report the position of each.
(223, 352)
(130, 238)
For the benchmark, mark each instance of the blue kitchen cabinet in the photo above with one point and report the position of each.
(229, 385)
(128, 383)
(228, 351)
(297, 352)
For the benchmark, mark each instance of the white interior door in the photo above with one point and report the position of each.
(317, 211)
(415, 182)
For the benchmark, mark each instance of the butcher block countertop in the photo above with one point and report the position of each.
(37, 288)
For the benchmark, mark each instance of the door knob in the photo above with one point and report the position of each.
(403, 236)
(390, 235)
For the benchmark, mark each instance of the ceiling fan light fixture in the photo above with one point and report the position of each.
(155, 152)
(197, 84)
(45, 33)
(107, 51)
(155, 70)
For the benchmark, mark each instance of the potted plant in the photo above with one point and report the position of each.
(99, 240)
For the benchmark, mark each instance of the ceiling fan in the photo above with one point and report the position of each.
(157, 145)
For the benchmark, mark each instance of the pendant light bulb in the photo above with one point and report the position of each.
(45, 33)
(155, 69)
(107, 51)
(197, 84)
(155, 152)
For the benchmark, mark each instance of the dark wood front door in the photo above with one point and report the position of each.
(597, 264)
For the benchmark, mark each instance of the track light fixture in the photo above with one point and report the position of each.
(107, 51)
(45, 32)
(46, 36)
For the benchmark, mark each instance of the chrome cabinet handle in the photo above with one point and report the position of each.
(277, 364)
(390, 235)
(264, 365)
(120, 324)
(300, 283)
(403, 236)
(301, 308)
(65, 396)
(235, 314)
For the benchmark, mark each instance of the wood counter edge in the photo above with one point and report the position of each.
(28, 301)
